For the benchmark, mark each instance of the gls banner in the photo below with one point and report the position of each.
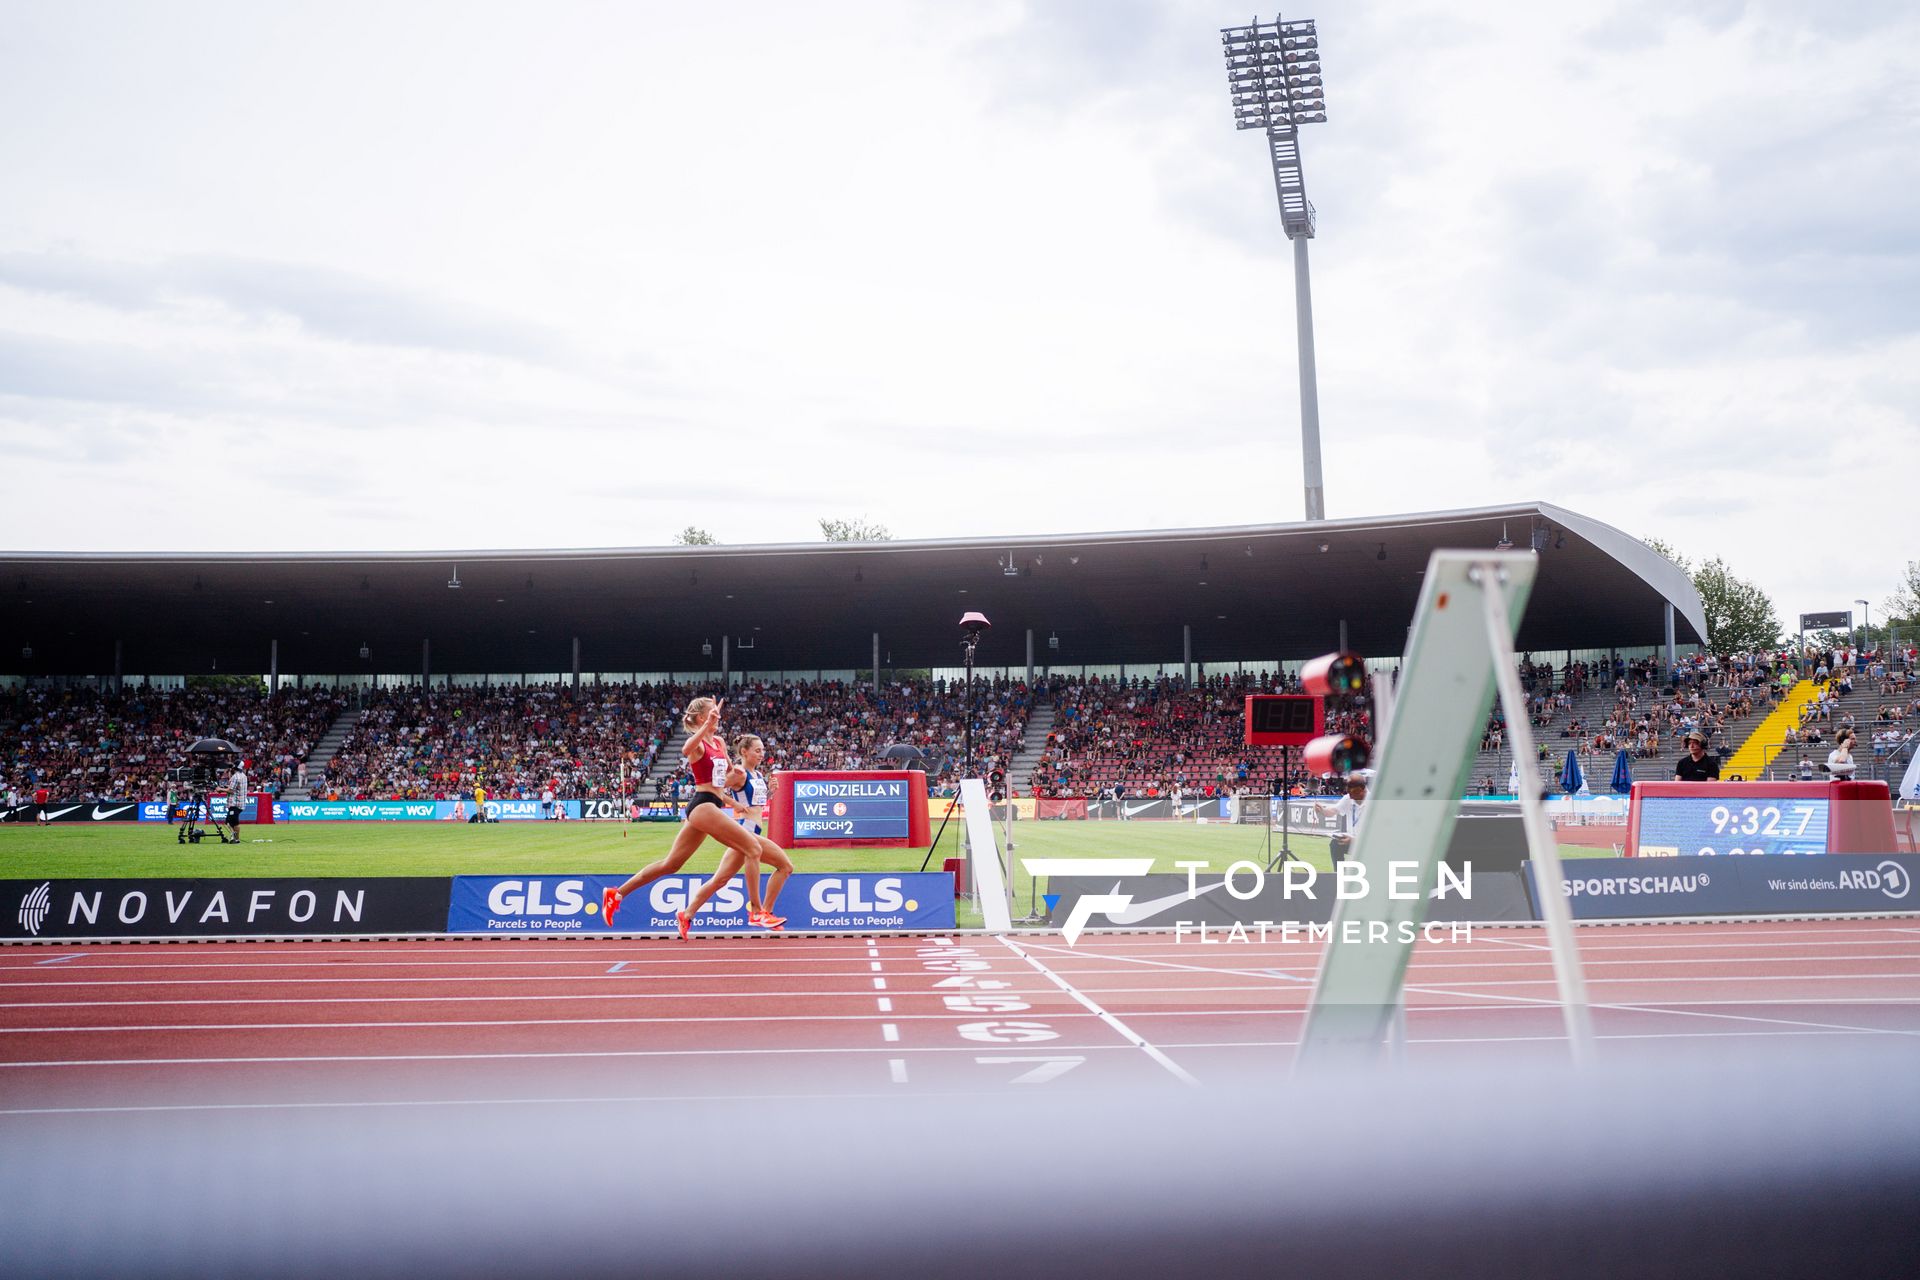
(219, 908)
(853, 903)
(156, 811)
(1765, 884)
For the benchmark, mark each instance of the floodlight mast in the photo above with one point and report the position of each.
(1273, 73)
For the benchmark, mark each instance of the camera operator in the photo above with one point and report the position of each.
(236, 797)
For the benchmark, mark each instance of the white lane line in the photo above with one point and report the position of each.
(51, 982)
(897, 1070)
(545, 998)
(886, 1005)
(1540, 1039)
(1510, 942)
(528, 1056)
(888, 1030)
(1508, 960)
(356, 1104)
(1169, 964)
(1681, 1012)
(104, 961)
(1179, 1073)
(1263, 982)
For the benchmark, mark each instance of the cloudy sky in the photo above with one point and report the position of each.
(346, 276)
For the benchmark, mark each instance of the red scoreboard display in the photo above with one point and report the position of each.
(849, 810)
(1284, 719)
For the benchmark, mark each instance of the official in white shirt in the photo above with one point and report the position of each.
(1347, 813)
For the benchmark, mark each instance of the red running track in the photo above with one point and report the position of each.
(448, 1023)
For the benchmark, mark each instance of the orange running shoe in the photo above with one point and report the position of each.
(609, 903)
(768, 920)
(686, 923)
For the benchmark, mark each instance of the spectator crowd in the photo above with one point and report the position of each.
(83, 744)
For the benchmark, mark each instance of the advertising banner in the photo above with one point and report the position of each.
(391, 810)
(1161, 901)
(365, 810)
(1758, 884)
(1073, 808)
(851, 903)
(262, 810)
(73, 811)
(613, 809)
(220, 908)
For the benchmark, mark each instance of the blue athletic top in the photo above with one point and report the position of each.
(753, 794)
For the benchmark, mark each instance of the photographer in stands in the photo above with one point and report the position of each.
(1697, 765)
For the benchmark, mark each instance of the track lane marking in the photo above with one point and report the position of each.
(1133, 1037)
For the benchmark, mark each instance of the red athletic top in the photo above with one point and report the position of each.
(715, 753)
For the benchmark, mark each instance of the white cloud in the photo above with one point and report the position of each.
(443, 276)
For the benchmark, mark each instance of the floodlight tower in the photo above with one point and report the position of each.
(1273, 73)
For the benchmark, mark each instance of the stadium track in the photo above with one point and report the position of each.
(435, 1023)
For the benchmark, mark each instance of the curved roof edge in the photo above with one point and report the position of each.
(1654, 569)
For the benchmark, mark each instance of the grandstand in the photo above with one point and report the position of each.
(1116, 659)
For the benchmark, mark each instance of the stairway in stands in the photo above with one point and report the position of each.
(665, 765)
(1759, 746)
(323, 753)
(1033, 745)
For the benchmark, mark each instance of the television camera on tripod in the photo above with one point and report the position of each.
(209, 764)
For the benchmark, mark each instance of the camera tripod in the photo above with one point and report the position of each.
(192, 830)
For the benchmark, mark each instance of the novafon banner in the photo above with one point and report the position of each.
(852, 903)
(220, 908)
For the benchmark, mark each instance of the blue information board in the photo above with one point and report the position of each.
(861, 809)
(1702, 826)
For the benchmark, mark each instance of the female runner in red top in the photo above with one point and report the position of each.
(708, 814)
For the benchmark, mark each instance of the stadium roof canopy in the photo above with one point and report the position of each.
(1249, 593)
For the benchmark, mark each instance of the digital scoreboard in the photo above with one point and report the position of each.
(1284, 719)
(849, 810)
(1703, 826)
(1694, 820)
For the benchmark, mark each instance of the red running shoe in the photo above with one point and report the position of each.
(767, 920)
(686, 923)
(609, 903)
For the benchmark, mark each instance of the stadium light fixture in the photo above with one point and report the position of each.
(1273, 78)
